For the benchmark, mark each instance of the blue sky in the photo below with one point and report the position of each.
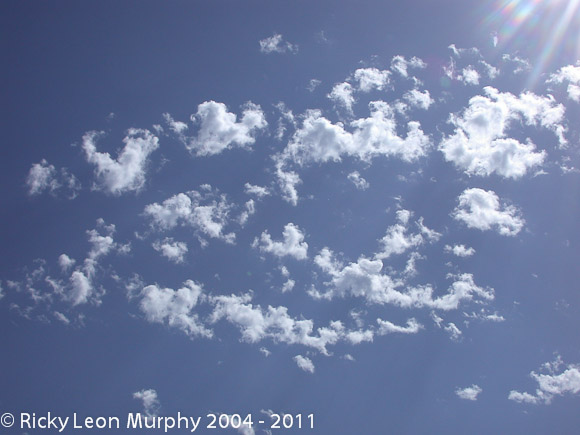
(366, 212)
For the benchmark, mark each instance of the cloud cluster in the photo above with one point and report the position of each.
(481, 209)
(44, 177)
(469, 393)
(480, 144)
(277, 44)
(570, 74)
(551, 384)
(292, 245)
(127, 172)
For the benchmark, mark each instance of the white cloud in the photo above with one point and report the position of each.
(469, 393)
(419, 99)
(453, 331)
(219, 129)
(520, 65)
(469, 75)
(318, 140)
(175, 307)
(342, 94)
(293, 244)
(313, 84)
(570, 74)
(44, 177)
(551, 384)
(127, 172)
(257, 324)
(371, 78)
(276, 44)
(364, 279)
(170, 249)
(401, 65)
(397, 240)
(481, 209)
(304, 363)
(459, 250)
(479, 144)
(287, 181)
(386, 327)
(288, 285)
(358, 181)
(250, 209)
(258, 191)
(150, 401)
(65, 262)
(207, 212)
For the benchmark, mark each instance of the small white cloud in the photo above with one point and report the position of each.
(149, 400)
(371, 78)
(250, 209)
(287, 181)
(401, 65)
(170, 249)
(358, 181)
(481, 209)
(304, 363)
(570, 74)
(258, 191)
(313, 84)
(293, 244)
(419, 99)
(288, 285)
(276, 44)
(44, 177)
(175, 307)
(453, 331)
(469, 393)
(219, 129)
(342, 94)
(127, 172)
(469, 75)
(65, 262)
(265, 352)
(459, 250)
(551, 384)
(386, 327)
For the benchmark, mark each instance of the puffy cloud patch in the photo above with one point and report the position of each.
(44, 177)
(258, 191)
(570, 74)
(149, 400)
(459, 250)
(481, 209)
(341, 94)
(401, 65)
(207, 212)
(319, 140)
(480, 145)
(359, 182)
(127, 172)
(419, 99)
(371, 78)
(277, 44)
(170, 249)
(469, 393)
(175, 307)
(551, 384)
(304, 363)
(293, 244)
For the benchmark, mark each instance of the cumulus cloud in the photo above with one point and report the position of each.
(342, 94)
(419, 99)
(459, 250)
(127, 172)
(480, 145)
(570, 74)
(207, 212)
(401, 65)
(453, 331)
(258, 191)
(386, 327)
(365, 279)
(304, 363)
(293, 244)
(220, 130)
(175, 307)
(170, 249)
(358, 181)
(398, 240)
(371, 78)
(257, 324)
(149, 400)
(469, 393)
(469, 75)
(277, 44)
(481, 209)
(554, 382)
(319, 140)
(44, 177)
